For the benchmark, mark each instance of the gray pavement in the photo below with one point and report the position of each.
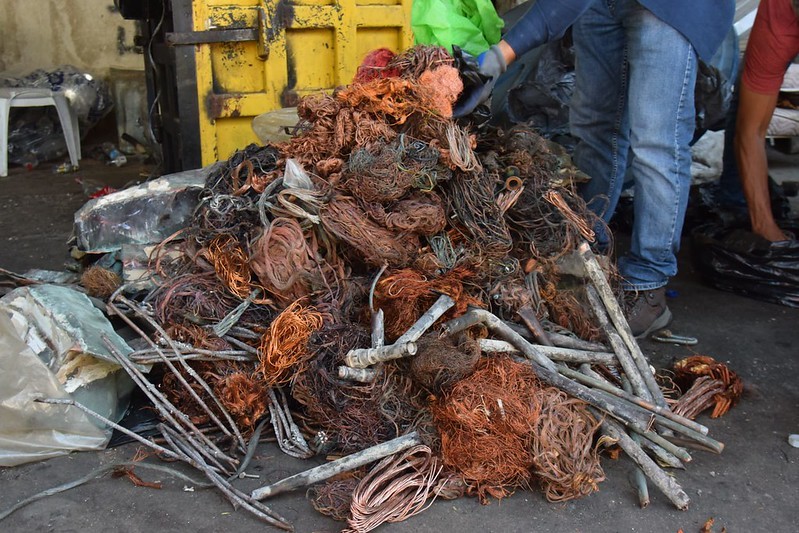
(752, 486)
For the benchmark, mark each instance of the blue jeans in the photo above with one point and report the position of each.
(634, 98)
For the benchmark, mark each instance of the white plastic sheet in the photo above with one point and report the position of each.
(53, 344)
(32, 431)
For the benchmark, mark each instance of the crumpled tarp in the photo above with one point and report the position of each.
(53, 345)
(144, 214)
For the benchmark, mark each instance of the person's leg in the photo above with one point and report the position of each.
(662, 77)
(598, 106)
(729, 193)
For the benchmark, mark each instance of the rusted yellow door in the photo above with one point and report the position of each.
(278, 52)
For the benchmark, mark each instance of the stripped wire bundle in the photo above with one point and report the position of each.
(100, 282)
(707, 383)
(348, 413)
(283, 261)
(332, 130)
(284, 352)
(334, 498)
(389, 171)
(196, 336)
(485, 423)
(565, 460)
(444, 85)
(566, 309)
(440, 363)
(228, 203)
(251, 168)
(231, 265)
(198, 298)
(404, 295)
(418, 213)
(397, 488)
(547, 224)
(344, 218)
(472, 204)
(381, 176)
(413, 62)
(242, 391)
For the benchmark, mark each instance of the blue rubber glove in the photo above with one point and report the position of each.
(492, 64)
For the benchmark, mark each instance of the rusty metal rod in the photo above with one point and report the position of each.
(345, 464)
(436, 311)
(667, 485)
(364, 357)
(621, 351)
(233, 432)
(556, 353)
(680, 423)
(597, 276)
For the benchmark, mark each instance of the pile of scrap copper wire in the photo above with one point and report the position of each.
(390, 287)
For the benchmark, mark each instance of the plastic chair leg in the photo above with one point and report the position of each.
(69, 126)
(73, 115)
(5, 108)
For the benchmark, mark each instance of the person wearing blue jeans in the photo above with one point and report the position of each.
(633, 101)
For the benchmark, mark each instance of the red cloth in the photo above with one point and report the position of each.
(772, 45)
(374, 66)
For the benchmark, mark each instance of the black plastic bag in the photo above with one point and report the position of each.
(734, 259)
(469, 71)
(712, 96)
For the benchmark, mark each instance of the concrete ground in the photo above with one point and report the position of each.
(752, 486)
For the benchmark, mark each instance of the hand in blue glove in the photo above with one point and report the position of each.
(492, 64)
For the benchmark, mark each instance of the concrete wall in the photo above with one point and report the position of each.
(89, 34)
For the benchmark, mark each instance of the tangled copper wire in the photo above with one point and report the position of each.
(420, 213)
(344, 218)
(195, 335)
(332, 132)
(486, 422)
(565, 460)
(242, 391)
(355, 415)
(405, 294)
(472, 206)
(440, 363)
(231, 265)
(444, 85)
(193, 297)
(580, 224)
(283, 351)
(395, 100)
(283, 261)
(721, 391)
(333, 498)
(393, 182)
(100, 282)
(566, 310)
(412, 63)
(381, 176)
(398, 487)
(228, 203)
(181, 398)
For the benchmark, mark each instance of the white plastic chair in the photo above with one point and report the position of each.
(37, 97)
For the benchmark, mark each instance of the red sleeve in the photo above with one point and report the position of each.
(772, 45)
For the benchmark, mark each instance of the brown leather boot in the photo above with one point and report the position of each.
(646, 311)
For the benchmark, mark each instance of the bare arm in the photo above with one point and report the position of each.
(754, 115)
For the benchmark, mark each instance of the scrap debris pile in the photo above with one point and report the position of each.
(389, 287)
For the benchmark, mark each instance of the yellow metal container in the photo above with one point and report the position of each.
(278, 52)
